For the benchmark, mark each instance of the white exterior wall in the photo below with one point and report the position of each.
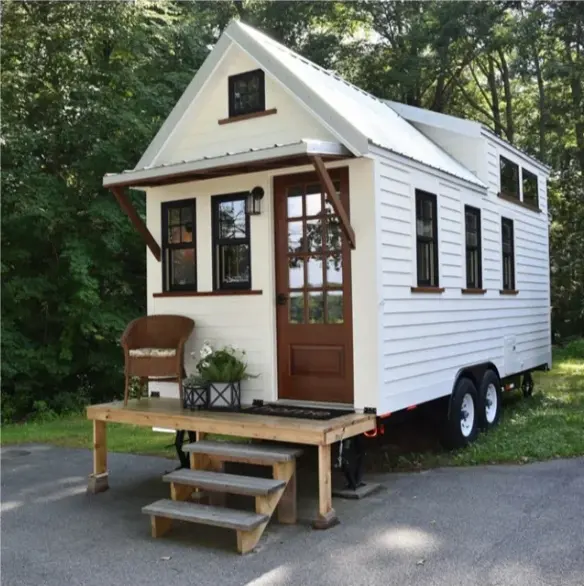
(469, 151)
(199, 134)
(425, 339)
(249, 321)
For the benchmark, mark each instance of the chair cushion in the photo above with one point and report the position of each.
(152, 352)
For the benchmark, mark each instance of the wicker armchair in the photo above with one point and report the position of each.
(154, 349)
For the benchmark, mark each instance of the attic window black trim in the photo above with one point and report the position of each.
(509, 178)
(247, 93)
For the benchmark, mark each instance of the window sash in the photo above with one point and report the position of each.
(220, 243)
(512, 169)
(235, 80)
(529, 178)
(474, 276)
(508, 254)
(426, 244)
(168, 247)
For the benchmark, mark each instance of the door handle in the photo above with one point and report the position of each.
(281, 299)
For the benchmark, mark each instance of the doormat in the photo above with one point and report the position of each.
(317, 413)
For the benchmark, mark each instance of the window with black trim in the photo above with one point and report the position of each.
(508, 246)
(509, 178)
(472, 228)
(231, 245)
(530, 188)
(247, 93)
(426, 239)
(179, 249)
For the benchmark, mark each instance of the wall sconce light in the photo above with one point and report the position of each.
(253, 203)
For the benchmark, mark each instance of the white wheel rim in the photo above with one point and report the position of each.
(491, 403)
(467, 415)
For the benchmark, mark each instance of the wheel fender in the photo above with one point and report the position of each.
(475, 373)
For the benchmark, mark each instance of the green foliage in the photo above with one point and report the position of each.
(224, 365)
(86, 85)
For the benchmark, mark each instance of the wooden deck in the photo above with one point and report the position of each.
(168, 413)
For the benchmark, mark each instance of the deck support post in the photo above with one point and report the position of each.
(98, 480)
(326, 514)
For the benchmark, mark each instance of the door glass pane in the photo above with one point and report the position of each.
(234, 264)
(314, 270)
(296, 308)
(314, 235)
(313, 200)
(334, 270)
(295, 272)
(294, 206)
(334, 307)
(182, 267)
(333, 234)
(316, 307)
(294, 236)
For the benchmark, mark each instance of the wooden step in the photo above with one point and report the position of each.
(205, 514)
(266, 454)
(220, 482)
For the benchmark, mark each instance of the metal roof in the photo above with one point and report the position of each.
(228, 159)
(354, 117)
(373, 118)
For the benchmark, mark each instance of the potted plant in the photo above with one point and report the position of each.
(223, 370)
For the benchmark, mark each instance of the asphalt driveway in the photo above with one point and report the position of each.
(500, 525)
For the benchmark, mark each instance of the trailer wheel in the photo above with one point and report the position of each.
(527, 385)
(489, 400)
(461, 426)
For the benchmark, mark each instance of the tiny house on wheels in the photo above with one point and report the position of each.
(365, 254)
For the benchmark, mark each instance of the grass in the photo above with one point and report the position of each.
(74, 431)
(548, 425)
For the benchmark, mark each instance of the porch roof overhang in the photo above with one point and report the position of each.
(252, 160)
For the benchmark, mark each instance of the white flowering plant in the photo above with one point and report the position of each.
(225, 365)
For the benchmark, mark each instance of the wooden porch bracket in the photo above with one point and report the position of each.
(126, 205)
(332, 196)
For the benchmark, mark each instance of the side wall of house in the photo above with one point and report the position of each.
(249, 321)
(426, 338)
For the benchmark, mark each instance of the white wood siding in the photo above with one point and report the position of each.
(249, 322)
(425, 339)
(199, 134)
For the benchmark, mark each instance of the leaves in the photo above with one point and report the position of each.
(86, 85)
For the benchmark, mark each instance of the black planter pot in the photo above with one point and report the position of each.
(196, 397)
(225, 396)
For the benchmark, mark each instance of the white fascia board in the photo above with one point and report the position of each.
(303, 147)
(479, 187)
(173, 120)
(436, 119)
(314, 104)
(488, 133)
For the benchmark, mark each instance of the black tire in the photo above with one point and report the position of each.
(453, 435)
(487, 418)
(527, 385)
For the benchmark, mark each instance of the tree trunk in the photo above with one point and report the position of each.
(492, 81)
(543, 114)
(510, 126)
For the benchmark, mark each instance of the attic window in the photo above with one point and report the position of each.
(509, 178)
(247, 93)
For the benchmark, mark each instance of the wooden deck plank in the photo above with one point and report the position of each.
(168, 413)
(252, 453)
(205, 514)
(231, 483)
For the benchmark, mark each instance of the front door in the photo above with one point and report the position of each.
(313, 291)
